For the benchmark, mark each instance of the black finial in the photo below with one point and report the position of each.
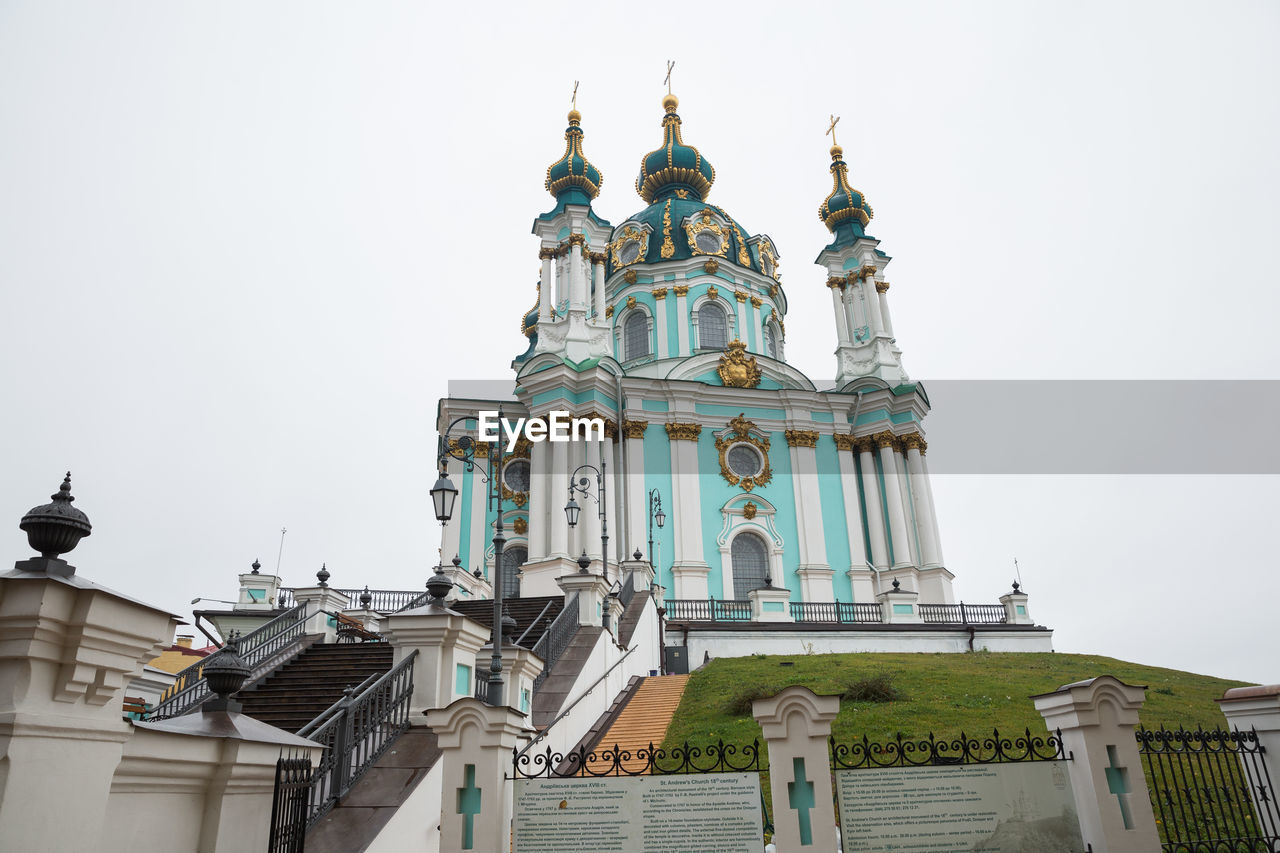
(768, 582)
(1016, 586)
(366, 598)
(457, 561)
(476, 573)
(508, 624)
(323, 575)
(584, 562)
(896, 584)
(226, 672)
(438, 586)
(56, 528)
(637, 555)
(256, 565)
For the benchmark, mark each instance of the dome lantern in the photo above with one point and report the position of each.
(675, 168)
(844, 206)
(573, 173)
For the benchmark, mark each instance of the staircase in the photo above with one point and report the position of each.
(298, 692)
(642, 721)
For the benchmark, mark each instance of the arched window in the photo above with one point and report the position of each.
(750, 559)
(713, 327)
(771, 340)
(512, 559)
(635, 336)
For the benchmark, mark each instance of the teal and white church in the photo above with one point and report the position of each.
(671, 327)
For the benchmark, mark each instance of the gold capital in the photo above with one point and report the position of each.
(634, 429)
(801, 438)
(844, 442)
(756, 302)
(711, 266)
(683, 432)
(882, 287)
(740, 295)
(885, 439)
(681, 289)
(660, 293)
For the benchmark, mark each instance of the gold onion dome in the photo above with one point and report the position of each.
(844, 205)
(675, 166)
(573, 172)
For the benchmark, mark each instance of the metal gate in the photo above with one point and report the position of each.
(1211, 791)
(289, 805)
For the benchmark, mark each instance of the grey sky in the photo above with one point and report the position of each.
(244, 245)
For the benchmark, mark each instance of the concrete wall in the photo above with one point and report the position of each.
(736, 644)
(415, 826)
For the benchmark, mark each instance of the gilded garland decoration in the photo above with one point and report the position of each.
(743, 431)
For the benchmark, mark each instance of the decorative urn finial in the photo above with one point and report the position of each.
(366, 598)
(637, 555)
(255, 566)
(439, 586)
(508, 625)
(584, 562)
(226, 672)
(56, 528)
(323, 575)
(896, 584)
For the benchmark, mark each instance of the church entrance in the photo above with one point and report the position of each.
(512, 559)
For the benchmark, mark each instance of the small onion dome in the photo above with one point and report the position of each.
(674, 166)
(844, 204)
(529, 322)
(573, 169)
(57, 527)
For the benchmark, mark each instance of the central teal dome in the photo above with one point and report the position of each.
(675, 168)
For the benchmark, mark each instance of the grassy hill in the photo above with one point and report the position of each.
(916, 694)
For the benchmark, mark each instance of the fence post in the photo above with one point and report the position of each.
(476, 742)
(1258, 708)
(796, 725)
(341, 746)
(1097, 719)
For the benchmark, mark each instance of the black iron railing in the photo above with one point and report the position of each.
(358, 729)
(289, 805)
(962, 614)
(904, 752)
(1211, 790)
(835, 611)
(382, 600)
(261, 650)
(556, 639)
(651, 761)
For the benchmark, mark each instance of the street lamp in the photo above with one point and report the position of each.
(655, 514)
(571, 510)
(488, 458)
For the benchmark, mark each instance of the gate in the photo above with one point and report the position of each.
(289, 805)
(1211, 791)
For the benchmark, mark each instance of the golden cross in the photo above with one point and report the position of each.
(835, 119)
(575, 94)
(671, 63)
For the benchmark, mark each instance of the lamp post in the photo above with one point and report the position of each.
(488, 458)
(571, 510)
(655, 514)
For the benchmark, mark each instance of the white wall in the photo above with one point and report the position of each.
(736, 644)
(416, 825)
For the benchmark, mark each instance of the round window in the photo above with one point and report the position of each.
(629, 252)
(516, 475)
(708, 242)
(744, 460)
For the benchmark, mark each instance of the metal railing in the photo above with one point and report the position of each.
(962, 614)
(260, 650)
(835, 611)
(358, 729)
(556, 639)
(383, 600)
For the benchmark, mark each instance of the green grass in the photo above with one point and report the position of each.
(945, 694)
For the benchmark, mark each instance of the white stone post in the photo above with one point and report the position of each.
(547, 286)
(796, 724)
(899, 606)
(68, 648)
(476, 742)
(447, 643)
(258, 592)
(1015, 607)
(591, 590)
(1097, 718)
(871, 494)
(1258, 709)
(597, 268)
(320, 599)
(770, 604)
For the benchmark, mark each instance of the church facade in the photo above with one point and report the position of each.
(671, 327)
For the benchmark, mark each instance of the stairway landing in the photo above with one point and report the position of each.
(644, 719)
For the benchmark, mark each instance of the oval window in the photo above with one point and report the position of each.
(516, 475)
(744, 460)
(629, 252)
(708, 242)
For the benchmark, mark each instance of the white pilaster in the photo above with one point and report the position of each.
(875, 515)
(811, 541)
(577, 280)
(546, 289)
(882, 294)
(908, 513)
(928, 494)
(558, 480)
(740, 297)
(682, 319)
(660, 322)
(479, 534)
(852, 503)
(539, 500)
(451, 530)
(872, 303)
(925, 522)
(686, 497)
(843, 332)
(893, 501)
(598, 269)
(637, 498)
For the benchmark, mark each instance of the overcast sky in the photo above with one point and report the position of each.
(243, 246)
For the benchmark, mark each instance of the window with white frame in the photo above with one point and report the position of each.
(713, 327)
(635, 336)
(750, 558)
(771, 340)
(512, 559)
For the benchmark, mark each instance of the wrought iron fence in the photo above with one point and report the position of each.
(1211, 791)
(556, 639)
(260, 649)
(835, 611)
(930, 751)
(383, 600)
(289, 805)
(962, 614)
(650, 761)
(357, 730)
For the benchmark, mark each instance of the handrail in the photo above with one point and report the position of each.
(545, 608)
(575, 702)
(259, 649)
(553, 642)
(327, 712)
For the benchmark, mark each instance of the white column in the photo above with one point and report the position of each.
(852, 504)
(546, 290)
(843, 332)
(598, 268)
(637, 496)
(872, 305)
(558, 480)
(686, 500)
(562, 279)
(757, 332)
(804, 465)
(682, 318)
(660, 322)
(882, 293)
(744, 334)
(577, 279)
(857, 314)
(480, 534)
(925, 522)
(539, 498)
(928, 494)
(893, 500)
(616, 524)
(908, 513)
(875, 516)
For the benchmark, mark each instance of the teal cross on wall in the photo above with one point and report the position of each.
(469, 806)
(800, 798)
(1118, 784)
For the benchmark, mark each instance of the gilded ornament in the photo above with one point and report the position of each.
(885, 439)
(801, 438)
(712, 292)
(683, 289)
(711, 266)
(705, 224)
(882, 287)
(577, 240)
(520, 525)
(766, 251)
(911, 440)
(844, 442)
(774, 290)
(740, 295)
(659, 293)
(517, 498)
(522, 449)
(756, 302)
(629, 276)
(782, 327)
(683, 432)
(867, 269)
(630, 234)
(668, 248)
(631, 302)
(836, 281)
(749, 510)
(634, 429)
(682, 193)
(864, 443)
(742, 431)
(608, 312)
(737, 369)
(546, 253)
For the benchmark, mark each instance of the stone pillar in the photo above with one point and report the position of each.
(577, 278)
(520, 667)
(1257, 709)
(447, 643)
(770, 604)
(682, 319)
(540, 500)
(68, 648)
(860, 582)
(370, 619)
(1015, 607)
(662, 347)
(480, 532)
(814, 570)
(558, 481)
(641, 570)
(871, 304)
(637, 502)
(871, 494)
(928, 493)
(562, 277)
(320, 599)
(855, 310)
(908, 511)
(882, 297)
(899, 606)
(893, 499)
(450, 536)
(796, 724)
(930, 557)
(689, 564)
(597, 268)
(546, 286)
(591, 590)
(258, 592)
(589, 517)
(476, 743)
(844, 335)
(1097, 718)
